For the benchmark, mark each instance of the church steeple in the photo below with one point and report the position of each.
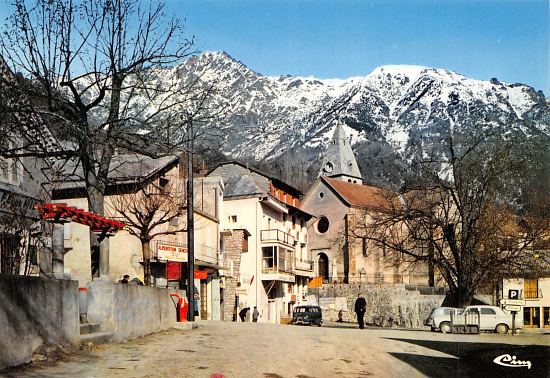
(339, 161)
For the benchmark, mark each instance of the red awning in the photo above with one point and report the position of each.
(61, 212)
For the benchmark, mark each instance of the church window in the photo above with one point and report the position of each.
(323, 225)
(364, 246)
(321, 194)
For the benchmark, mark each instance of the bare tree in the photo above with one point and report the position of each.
(20, 235)
(94, 68)
(462, 214)
(151, 210)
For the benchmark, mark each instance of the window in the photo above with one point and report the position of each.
(293, 222)
(284, 217)
(33, 254)
(321, 194)
(245, 243)
(9, 171)
(530, 288)
(364, 246)
(487, 311)
(233, 219)
(546, 317)
(323, 225)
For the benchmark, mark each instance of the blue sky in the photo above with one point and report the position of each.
(506, 39)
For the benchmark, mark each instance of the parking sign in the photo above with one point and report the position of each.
(513, 294)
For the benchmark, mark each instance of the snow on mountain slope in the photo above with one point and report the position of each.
(396, 106)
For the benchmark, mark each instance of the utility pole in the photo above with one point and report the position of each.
(190, 227)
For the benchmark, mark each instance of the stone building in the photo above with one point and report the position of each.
(337, 199)
(265, 241)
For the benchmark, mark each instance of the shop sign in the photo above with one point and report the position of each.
(173, 270)
(171, 252)
(200, 274)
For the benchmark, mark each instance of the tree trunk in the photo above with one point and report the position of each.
(431, 275)
(146, 262)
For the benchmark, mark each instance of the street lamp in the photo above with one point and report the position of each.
(190, 225)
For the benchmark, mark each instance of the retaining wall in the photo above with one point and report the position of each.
(130, 311)
(35, 311)
(388, 305)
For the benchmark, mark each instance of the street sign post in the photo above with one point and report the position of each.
(512, 308)
(516, 302)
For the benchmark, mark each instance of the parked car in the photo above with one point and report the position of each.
(307, 315)
(492, 318)
(440, 318)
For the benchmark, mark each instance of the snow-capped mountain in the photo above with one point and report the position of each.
(395, 107)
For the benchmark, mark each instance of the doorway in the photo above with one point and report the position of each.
(531, 317)
(323, 267)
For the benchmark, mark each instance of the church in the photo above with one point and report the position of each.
(336, 199)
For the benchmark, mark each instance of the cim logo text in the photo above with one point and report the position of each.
(511, 361)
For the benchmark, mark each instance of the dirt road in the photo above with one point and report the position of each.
(266, 350)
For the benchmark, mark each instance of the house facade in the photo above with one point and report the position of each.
(337, 200)
(533, 297)
(24, 239)
(265, 237)
(130, 174)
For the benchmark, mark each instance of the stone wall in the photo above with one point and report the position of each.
(388, 305)
(35, 311)
(233, 246)
(130, 311)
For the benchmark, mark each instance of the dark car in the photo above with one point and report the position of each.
(307, 315)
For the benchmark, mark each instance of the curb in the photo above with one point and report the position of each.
(185, 326)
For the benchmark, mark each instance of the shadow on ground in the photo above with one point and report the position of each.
(477, 359)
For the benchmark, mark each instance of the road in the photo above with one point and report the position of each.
(273, 351)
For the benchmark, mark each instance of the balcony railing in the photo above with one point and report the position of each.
(282, 266)
(276, 236)
(304, 264)
(531, 294)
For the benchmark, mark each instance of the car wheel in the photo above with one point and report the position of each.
(502, 328)
(319, 324)
(445, 327)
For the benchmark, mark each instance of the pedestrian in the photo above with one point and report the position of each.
(242, 313)
(124, 279)
(255, 315)
(360, 308)
(340, 317)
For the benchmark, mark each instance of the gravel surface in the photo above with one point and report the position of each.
(267, 350)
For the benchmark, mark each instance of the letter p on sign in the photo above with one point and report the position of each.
(513, 294)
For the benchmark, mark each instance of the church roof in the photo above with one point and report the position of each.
(339, 159)
(356, 195)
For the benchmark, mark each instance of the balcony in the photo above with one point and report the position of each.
(276, 236)
(277, 264)
(534, 294)
(304, 268)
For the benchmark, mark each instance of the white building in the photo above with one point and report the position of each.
(534, 294)
(274, 264)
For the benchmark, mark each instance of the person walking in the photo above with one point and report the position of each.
(242, 313)
(360, 308)
(255, 315)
